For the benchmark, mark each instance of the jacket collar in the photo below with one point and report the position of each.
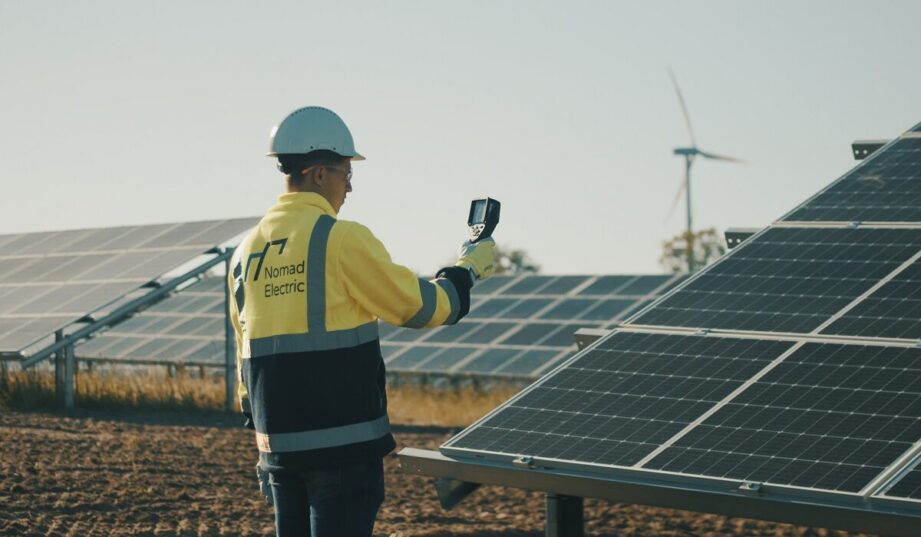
(306, 199)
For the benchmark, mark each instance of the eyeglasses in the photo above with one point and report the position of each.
(348, 172)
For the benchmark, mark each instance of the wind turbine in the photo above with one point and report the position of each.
(690, 153)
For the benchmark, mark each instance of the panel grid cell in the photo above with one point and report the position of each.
(788, 280)
(887, 188)
(830, 416)
(893, 310)
(615, 405)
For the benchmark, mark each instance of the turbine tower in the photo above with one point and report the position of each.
(690, 153)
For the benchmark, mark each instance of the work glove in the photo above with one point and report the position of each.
(264, 487)
(478, 257)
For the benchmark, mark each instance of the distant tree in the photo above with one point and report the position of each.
(514, 261)
(707, 245)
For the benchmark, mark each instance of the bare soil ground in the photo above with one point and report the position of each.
(191, 474)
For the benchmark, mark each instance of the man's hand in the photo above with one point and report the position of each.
(478, 257)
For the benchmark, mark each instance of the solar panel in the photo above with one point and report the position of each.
(51, 279)
(885, 188)
(183, 328)
(786, 279)
(790, 369)
(520, 325)
(616, 405)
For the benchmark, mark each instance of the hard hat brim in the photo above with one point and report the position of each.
(355, 156)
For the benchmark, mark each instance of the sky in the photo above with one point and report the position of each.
(126, 112)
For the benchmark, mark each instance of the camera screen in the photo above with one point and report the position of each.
(479, 212)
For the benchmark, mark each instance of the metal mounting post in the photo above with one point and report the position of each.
(564, 516)
(64, 374)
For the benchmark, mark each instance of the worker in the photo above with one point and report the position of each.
(308, 290)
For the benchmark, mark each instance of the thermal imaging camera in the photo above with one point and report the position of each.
(483, 218)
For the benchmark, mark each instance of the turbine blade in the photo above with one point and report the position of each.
(684, 108)
(681, 190)
(714, 156)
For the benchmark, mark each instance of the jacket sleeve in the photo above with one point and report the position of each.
(393, 292)
(238, 335)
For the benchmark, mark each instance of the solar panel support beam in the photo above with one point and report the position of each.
(564, 516)
(761, 504)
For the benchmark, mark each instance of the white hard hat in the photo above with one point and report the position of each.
(312, 128)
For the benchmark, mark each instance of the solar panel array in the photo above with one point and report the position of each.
(186, 328)
(520, 326)
(795, 361)
(49, 280)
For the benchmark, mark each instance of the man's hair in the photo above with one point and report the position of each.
(293, 164)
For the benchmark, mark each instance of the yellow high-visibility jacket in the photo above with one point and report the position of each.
(308, 291)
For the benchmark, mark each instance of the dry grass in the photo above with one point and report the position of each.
(448, 407)
(26, 390)
(409, 405)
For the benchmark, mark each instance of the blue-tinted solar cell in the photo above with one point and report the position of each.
(492, 307)
(447, 359)
(452, 333)
(491, 285)
(608, 309)
(181, 234)
(211, 352)
(490, 360)
(122, 347)
(189, 326)
(643, 285)
(528, 362)
(571, 308)
(134, 325)
(606, 285)
(531, 334)
(412, 357)
(528, 285)
(488, 332)
(563, 285)
(407, 334)
(526, 308)
(212, 327)
(162, 324)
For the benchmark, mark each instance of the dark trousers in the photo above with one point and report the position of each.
(328, 502)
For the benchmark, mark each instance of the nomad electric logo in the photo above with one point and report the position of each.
(272, 273)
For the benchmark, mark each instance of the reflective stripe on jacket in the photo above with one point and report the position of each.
(307, 293)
